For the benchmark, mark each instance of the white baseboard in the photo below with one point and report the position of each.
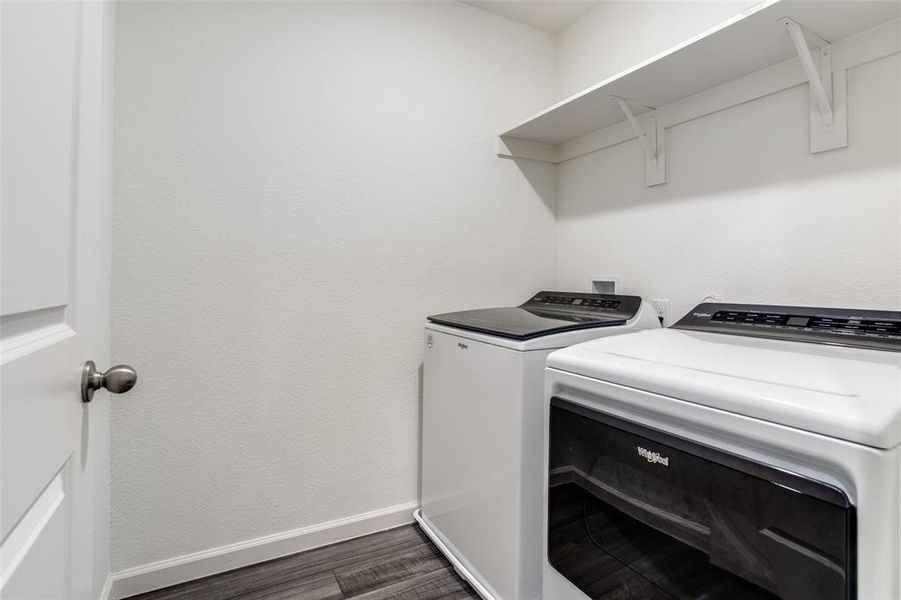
(154, 576)
(107, 588)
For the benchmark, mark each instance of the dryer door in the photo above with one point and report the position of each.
(635, 512)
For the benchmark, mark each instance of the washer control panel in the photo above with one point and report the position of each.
(576, 302)
(584, 303)
(875, 329)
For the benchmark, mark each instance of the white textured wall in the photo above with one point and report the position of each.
(748, 213)
(100, 411)
(618, 34)
(297, 186)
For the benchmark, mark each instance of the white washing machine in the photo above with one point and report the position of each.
(482, 429)
(746, 452)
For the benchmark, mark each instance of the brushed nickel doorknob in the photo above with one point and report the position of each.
(116, 380)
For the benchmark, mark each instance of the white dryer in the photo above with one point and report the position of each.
(747, 452)
(483, 429)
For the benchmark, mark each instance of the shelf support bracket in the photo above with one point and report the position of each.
(650, 134)
(828, 92)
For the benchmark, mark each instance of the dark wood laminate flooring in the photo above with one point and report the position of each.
(398, 564)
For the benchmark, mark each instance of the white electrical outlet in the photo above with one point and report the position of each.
(664, 311)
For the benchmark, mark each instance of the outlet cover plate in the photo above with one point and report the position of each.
(664, 309)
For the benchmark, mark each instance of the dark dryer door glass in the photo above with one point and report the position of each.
(637, 513)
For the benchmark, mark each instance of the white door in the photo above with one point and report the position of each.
(54, 297)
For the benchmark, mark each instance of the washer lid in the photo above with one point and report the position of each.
(546, 313)
(848, 393)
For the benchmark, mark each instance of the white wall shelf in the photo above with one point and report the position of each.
(748, 57)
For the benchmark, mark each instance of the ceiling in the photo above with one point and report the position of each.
(549, 15)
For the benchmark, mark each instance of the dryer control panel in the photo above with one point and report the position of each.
(876, 329)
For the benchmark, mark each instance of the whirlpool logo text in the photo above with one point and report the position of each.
(653, 457)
